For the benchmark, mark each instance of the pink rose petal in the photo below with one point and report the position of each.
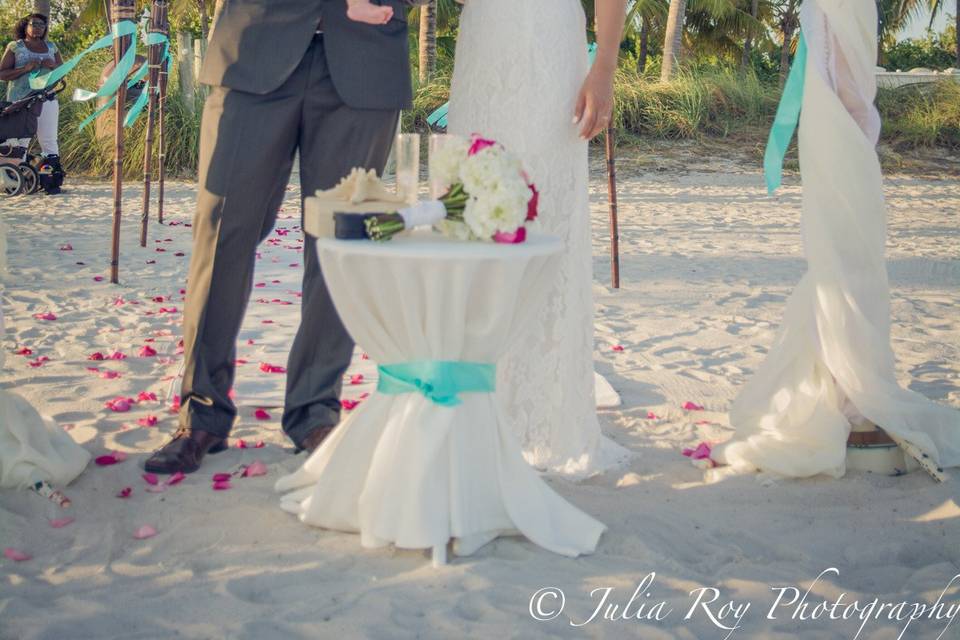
(618, 348)
(222, 485)
(110, 375)
(146, 396)
(66, 247)
(24, 351)
(151, 478)
(260, 414)
(241, 444)
(106, 461)
(356, 379)
(149, 421)
(118, 405)
(125, 492)
(221, 477)
(272, 368)
(652, 416)
(147, 352)
(45, 316)
(96, 356)
(259, 445)
(255, 468)
(117, 355)
(176, 478)
(349, 405)
(60, 523)
(144, 532)
(692, 406)
(16, 555)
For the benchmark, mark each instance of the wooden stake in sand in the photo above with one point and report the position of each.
(163, 70)
(614, 211)
(121, 10)
(154, 55)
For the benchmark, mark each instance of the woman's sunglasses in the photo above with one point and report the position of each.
(38, 24)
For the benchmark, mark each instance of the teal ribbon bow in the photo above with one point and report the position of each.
(152, 38)
(786, 121)
(440, 381)
(121, 71)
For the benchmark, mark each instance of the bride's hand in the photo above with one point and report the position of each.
(595, 103)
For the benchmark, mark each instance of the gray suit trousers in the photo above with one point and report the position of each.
(247, 148)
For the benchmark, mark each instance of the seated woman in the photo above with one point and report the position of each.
(28, 52)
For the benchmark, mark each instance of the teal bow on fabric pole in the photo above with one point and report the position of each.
(786, 121)
(440, 381)
(122, 70)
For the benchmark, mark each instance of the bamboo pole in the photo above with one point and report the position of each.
(161, 110)
(121, 10)
(153, 59)
(614, 212)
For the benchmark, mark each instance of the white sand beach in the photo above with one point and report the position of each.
(708, 262)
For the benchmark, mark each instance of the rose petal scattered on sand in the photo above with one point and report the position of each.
(241, 444)
(272, 368)
(98, 278)
(125, 492)
(151, 478)
(66, 247)
(146, 396)
(260, 414)
(221, 485)
(176, 478)
(118, 405)
(618, 348)
(349, 405)
(149, 421)
(16, 555)
(147, 352)
(106, 461)
(117, 355)
(221, 477)
(356, 379)
(110, 375)
(45, 316)
(259, 445)
(96, 356)
(60, 523)
(652, 416)
(24, 351)
(144, 532)
(692, 406)
(254, 469)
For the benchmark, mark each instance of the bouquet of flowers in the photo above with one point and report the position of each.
(491, 198)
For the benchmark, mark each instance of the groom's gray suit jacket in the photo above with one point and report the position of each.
(257, 44)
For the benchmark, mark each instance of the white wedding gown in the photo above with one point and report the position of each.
(519, 68)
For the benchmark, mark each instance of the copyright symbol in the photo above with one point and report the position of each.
(547, 603)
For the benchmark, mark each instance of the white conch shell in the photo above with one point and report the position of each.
(360, 186)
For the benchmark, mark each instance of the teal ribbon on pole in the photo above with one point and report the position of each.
(153, 38)
(786, 121)
(440, 381)
(44, 79)
(122, 70)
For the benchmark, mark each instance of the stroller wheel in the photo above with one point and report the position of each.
(31, 179)
(11, 182)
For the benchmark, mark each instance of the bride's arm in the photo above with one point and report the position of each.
(595, 102)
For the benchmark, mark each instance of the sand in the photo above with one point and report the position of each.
(708, 262)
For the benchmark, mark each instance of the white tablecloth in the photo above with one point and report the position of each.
(402, 469)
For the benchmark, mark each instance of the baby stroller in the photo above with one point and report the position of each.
(21, 172)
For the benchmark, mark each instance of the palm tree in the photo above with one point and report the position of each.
(428, 41)
(748, 41)
(936, 6)
(643, 14)
(673, 37)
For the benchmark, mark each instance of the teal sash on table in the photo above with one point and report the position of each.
(440, 381)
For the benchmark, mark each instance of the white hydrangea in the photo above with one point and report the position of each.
(455, 230)
(483, 172)
(446, 161)
(499, 210)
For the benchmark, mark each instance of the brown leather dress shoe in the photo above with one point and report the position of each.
(314, 439)
(185, 451)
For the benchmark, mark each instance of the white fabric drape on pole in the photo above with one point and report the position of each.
(832, 364)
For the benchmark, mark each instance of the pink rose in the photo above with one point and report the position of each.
(478, 144)
(534, 204)
(518, 236)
